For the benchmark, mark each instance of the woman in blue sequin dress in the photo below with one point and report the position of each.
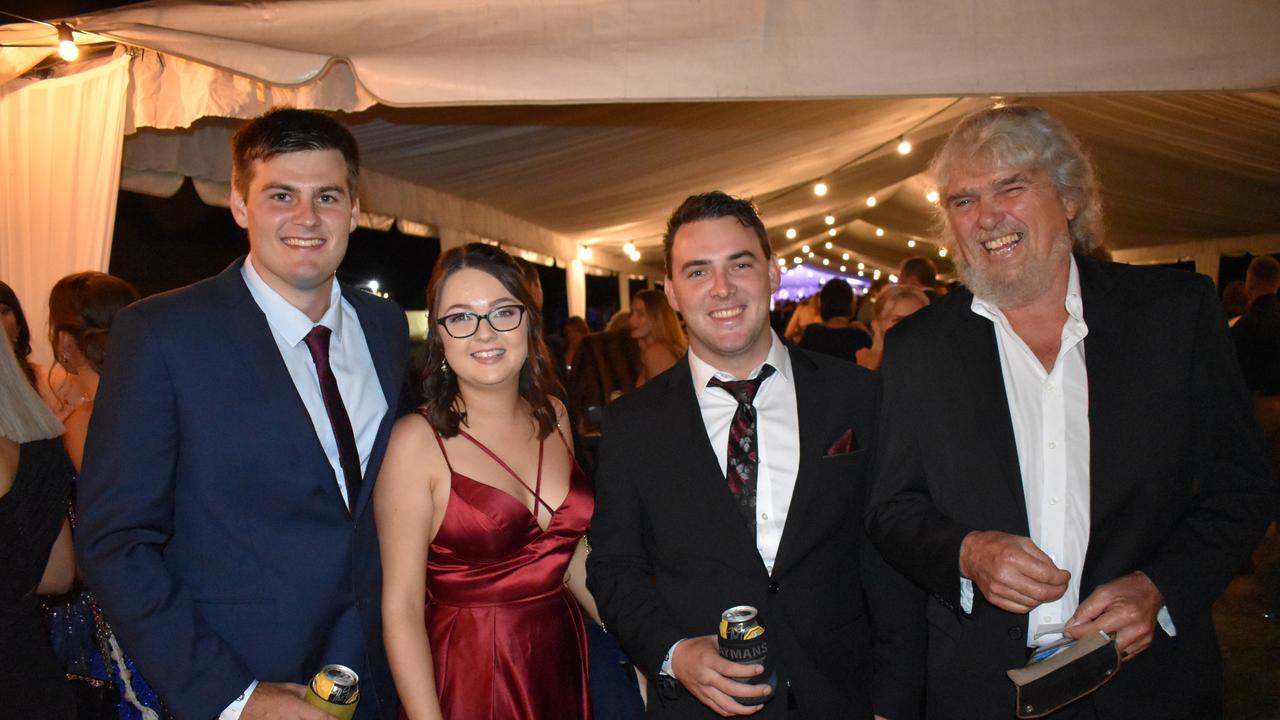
(81, 308)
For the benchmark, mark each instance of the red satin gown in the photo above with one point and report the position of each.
(507, 638)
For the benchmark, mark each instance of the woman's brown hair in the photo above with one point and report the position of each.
(83, 306)
(445, 409)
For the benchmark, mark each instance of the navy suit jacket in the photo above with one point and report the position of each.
(211, 528)
(1179, 486)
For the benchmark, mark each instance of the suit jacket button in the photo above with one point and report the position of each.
(774, 587)
(1016, 632)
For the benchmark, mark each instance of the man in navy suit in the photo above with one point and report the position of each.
(223, 509)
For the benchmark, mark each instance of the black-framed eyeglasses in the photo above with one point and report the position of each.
(465, 324)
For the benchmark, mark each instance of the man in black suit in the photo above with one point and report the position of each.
(709, 495)
(1065, 442)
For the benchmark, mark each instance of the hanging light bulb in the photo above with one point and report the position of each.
(628, 248)
(804, 248)
(791, 233)
(828, 245)
(911, 243)
(879, 232)
(832, 233)
(811, 254)
(797, 260)
(782, 262)
(871, 201)
(67, 49)
(584, 253)
(893, 278)
(942, 252)
(931, 196)
(875, 275)
(844, 256)
(830, 219)
(825, 261)
(904, 146)
(862, 273)
(634, 255)
(862, 266)
(842, 268)
(820, 189)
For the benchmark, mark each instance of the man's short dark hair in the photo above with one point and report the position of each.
(713, 206)
(919, 270)
(1263, 275)
(288, 130)
(835, 299)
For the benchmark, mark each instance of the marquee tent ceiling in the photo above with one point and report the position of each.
(549, 125)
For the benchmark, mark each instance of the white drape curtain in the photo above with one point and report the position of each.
(60, 145)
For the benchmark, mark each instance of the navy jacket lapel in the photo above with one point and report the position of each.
(375, 338)
(276, 400)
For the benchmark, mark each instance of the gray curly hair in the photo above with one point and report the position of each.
(1024, 136)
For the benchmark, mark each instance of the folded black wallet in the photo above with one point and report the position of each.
(1063, 673)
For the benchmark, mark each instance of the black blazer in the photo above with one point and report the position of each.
(1179, 488)
(670, 550)
(211, 527)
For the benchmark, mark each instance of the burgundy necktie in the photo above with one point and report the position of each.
(743, 459)
(318, 343)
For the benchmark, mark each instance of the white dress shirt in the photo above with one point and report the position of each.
(352, 366)
(1050, 414)
(777, 442)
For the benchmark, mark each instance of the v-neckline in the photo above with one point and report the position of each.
(536, 490)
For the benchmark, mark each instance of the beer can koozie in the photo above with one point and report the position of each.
(743, 640)
(335, 690)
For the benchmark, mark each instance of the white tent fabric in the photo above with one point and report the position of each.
(418, 52)
(61, 142)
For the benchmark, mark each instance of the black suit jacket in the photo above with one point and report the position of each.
(1179, 488)
(671, 551)
(211, 527)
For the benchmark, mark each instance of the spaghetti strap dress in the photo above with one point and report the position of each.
(507, 638)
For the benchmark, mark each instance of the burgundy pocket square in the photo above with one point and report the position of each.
(846, 444)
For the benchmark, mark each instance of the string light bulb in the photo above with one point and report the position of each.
(804, 248)
(584, 253)
(832, 233)
(875, 275)
(879, 232)
(628, 248)
(842, 268)
(893, 278)
(634, 255)
(911, 243)
(830, 219)
(820, 189)
(871, 201)
(782, 262)
(931, 196)
(797, 260)
(67, 49)
(825, 261)
(942, 252)
(828, 245)
(904, 146)
(862, 266)
(791, 233)
(811, 255)
(844, 256)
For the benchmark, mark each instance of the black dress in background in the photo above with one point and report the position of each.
(32, 682)
(843, 343)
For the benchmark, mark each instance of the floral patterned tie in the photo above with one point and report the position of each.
(743, 458)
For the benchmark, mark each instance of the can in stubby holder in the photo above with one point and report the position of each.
(743, 640)
(335, 690)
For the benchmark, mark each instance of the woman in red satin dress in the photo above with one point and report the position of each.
(481, 509)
